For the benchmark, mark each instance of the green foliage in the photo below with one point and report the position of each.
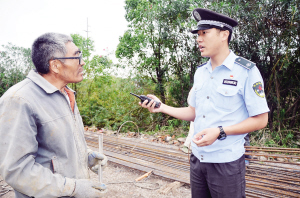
(179, 89)
(86, 45)
(110, 103)
(158, 44)
(15, 63)
(94, 65)
(283, 138)
(104, 100)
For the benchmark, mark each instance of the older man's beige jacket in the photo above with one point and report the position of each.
(42, 145)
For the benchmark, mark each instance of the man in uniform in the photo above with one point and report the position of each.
(43, 152)
(226, 103)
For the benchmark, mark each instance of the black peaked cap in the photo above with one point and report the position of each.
(207, 19)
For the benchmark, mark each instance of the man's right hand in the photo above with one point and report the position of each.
(86, 188)
(151, 104)
(183, 113)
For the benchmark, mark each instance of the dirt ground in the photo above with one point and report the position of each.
(116, 177)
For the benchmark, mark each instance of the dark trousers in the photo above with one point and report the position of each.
(217, 180)
(247, 143)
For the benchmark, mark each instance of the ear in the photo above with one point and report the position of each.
(225, 35)
(54, 66)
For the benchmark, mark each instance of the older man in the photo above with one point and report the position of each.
(43, 152)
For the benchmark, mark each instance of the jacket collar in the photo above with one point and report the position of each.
(42, 82)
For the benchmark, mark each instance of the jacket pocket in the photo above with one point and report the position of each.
(56, 165)
(227, 98)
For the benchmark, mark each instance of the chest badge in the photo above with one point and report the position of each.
(230, 82)
(258, 89)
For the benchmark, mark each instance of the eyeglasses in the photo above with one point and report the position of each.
(78, 57)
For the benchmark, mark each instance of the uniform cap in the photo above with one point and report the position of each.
(208, 19)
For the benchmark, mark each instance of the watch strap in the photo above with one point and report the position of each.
(222, 134)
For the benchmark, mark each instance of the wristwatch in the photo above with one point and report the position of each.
(222, 135)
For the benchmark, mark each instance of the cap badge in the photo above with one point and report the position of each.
(231, 76)
(197, 15)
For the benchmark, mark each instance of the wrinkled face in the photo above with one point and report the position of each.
(71, 71)
(209, 42)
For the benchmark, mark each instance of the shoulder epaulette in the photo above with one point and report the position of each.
(244, 62)
(201, 65)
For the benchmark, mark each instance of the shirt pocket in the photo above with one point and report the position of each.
(227, 98)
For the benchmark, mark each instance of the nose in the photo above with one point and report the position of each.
(82, 62)
(199, 39)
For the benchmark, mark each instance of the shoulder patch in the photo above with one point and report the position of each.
(244, 62)
(201, 65)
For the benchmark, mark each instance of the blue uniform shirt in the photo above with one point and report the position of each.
(224, 97)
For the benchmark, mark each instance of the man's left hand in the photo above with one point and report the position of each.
(206, 137)
(93, 161)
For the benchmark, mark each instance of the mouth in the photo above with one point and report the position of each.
(201, 47)
(81, 71)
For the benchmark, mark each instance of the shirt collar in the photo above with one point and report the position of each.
(228, 62)
(208, 66)
(71, 90)
(43, 83)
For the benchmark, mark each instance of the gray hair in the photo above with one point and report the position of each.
(46, 47)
